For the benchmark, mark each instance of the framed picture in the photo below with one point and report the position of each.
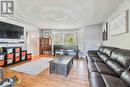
(105, 32)
(120, 24)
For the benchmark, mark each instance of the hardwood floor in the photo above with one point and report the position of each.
(77, 77)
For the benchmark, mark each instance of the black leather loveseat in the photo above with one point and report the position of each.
(109, 67)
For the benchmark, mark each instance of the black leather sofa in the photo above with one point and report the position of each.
(109, 67)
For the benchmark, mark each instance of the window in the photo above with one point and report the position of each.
(65, 38)
(70, 39)
(58, 38)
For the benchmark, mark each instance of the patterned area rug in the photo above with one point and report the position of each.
(33, 67)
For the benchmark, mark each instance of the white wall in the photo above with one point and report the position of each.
(122, 40)
(26, 29)
(92, 37)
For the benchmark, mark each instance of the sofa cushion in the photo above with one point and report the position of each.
(94, 58)
(97, 59)
(116, 67)
(111, 81)
(96, 80)
(126, 76)
(103, 56)
(104, 69)
(121, 56)
(108, 50)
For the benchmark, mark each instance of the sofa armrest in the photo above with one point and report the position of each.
(92, 51)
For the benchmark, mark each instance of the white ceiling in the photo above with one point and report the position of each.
(63, 14)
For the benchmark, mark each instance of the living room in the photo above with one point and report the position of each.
(66, 43)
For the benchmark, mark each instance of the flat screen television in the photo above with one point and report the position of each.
(10, 31)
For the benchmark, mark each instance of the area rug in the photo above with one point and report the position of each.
(33, 67)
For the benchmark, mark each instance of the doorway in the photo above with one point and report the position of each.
(33, 42)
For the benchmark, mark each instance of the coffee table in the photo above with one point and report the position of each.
(61, 65)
